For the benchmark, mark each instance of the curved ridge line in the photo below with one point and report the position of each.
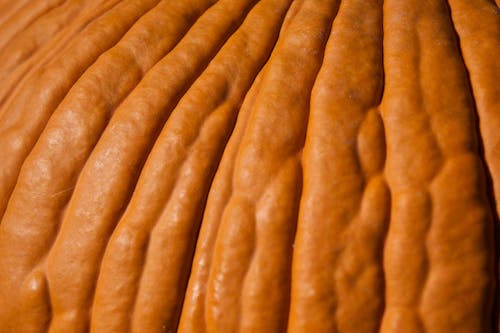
(46, 53)
(143, 74)
(488, 179)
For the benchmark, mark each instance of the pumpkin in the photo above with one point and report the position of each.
(249, 166)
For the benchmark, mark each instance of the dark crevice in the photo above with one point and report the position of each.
(204, 203)
(389, 208)
(188, 262)
(219, 159)
(154, 135)
(231, 161)
(493, 233)
(322, 53)
(233, 26)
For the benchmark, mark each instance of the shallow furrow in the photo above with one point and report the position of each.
(337, 273)
(193, 310)
(23, 17)
(27, 113)
(8, 8)
(48, 51)
(174, 234)
(26, 42)
(109, 175)
(215, 166)
(193, 317)
(258, 223)
(161, 222)
(438, 254)
(477, 24)
(72, 132)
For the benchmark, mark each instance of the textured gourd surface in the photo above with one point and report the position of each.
(249, 166)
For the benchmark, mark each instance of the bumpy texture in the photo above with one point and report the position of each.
(249, 166)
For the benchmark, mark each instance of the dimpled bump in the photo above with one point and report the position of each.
(249, 166)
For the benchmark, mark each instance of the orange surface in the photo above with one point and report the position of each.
(249, 166)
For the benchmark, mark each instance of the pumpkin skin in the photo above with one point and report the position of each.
(249, 166)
